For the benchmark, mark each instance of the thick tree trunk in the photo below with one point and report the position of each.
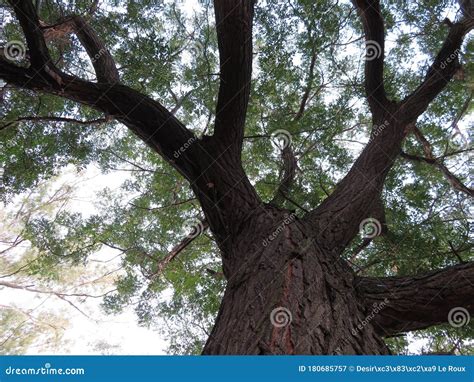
(285, 296)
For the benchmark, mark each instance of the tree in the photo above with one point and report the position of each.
(295, 282)
(34, 323)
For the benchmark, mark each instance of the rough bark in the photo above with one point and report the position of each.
(421, 301)
(289, 297)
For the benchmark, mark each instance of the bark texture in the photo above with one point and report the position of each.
(289, 297)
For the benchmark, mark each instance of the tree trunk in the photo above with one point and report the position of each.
(285, 296)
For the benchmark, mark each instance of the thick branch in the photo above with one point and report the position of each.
(337, 220)
(372, 20)
(26, 14)
(102, 60)
(147, 118)
(287, 175)
(418, 302)
(440, 72)
(218, 180)
(234, 19)
(430, 159)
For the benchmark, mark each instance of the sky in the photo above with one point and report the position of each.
(83, 333)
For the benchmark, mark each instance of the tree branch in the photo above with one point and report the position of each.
(102, 60)
(440, 72)
(335, 222)
(418, 302)
(452, 179)
(287, 175)
(180, 247)
(97, 121)
(147, 118)
(28, 288)
(234, 19)
(372, 20)
(26, 14)
(430, 159)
